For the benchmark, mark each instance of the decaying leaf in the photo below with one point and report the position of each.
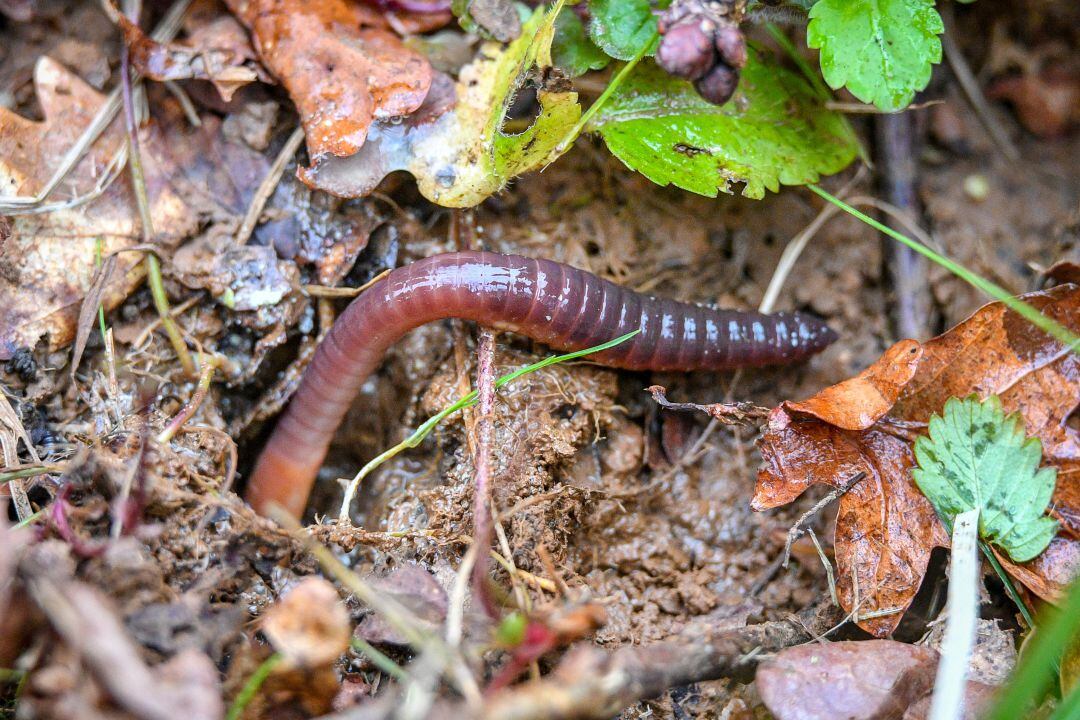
(341, 65)
(218, 51)
(869, 680)
(886, 528)
(185, 686)
(310, 625)
(1048, 102)
(47, 261)
(413, 587)
(454, 145)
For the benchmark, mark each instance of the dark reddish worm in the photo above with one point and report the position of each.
(561, 306)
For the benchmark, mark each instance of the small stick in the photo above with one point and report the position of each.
(138, 183)
(796, 530)
(906, 270)
(324, 291)
(970, 86)
(268, 185)
(960, 626)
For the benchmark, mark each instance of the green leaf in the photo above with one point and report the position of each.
(622, 27)
(976, 456)
(881, 50)
(572, 50)
(773, 131)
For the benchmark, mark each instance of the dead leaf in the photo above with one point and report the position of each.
(858, 403)
(187, 686)
(885, 527)
(88, 311)
(47, 261)
(218, 51)
(454, 144)
(1047, 102)
(1050, 574)
(416, 589)
(341, 65)
(309, 625)
(868, 680)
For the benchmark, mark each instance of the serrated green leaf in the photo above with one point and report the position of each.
(572, 50)
(773, 131)
(622, 27)
(880, 50)
(976, 456)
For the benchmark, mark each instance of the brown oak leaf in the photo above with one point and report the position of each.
(886, 529)
(47, 260)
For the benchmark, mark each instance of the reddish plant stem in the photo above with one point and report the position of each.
(59, 519)
(482, 521)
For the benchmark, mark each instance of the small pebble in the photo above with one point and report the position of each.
(976, 187)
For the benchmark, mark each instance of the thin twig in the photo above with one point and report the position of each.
(970, 87)
(185, 102)
(192, 405)
(796, 530)
(268, 185)
(324, 291)
(897, 149)
(15, 205)
(960, 626)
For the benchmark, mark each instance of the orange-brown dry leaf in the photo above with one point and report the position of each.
(341, 65)
(1049, 574)
(47, 260)
(885, 528)
(997, 352)
(218, 51)
(858, 403)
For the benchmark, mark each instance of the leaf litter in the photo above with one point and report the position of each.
(589, 473)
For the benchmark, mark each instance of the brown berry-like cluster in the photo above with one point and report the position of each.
(701, 42)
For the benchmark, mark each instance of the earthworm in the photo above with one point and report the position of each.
(558, 305)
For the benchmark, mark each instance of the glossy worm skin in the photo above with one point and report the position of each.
(561, 306)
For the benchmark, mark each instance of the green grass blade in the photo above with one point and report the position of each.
(1037, 669)
(1036, 318)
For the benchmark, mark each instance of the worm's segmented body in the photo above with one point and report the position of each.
(561, 306)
